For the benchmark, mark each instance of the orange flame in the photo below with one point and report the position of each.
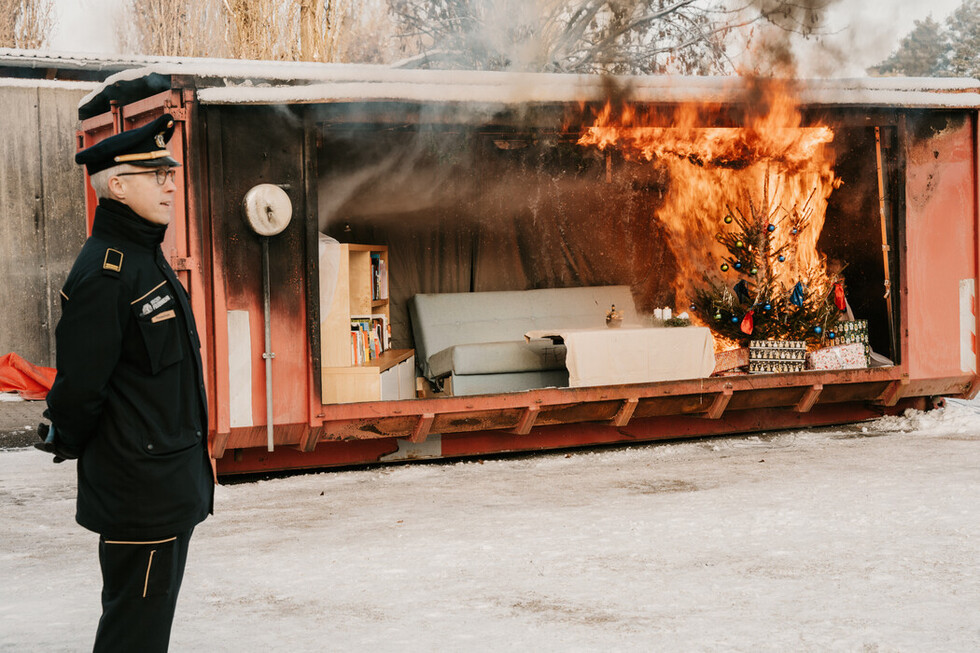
(770, 160)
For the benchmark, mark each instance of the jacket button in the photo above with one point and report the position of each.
(198, 434)
(149, 445)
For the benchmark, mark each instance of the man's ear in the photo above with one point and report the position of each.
(116, 188)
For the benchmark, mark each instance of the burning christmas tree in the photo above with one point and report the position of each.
(766, 292)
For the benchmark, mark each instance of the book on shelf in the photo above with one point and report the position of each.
(379, 277)
(370, 337)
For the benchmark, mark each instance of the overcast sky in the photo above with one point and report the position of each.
(860, 34)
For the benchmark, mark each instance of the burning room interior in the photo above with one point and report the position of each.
(633, 194)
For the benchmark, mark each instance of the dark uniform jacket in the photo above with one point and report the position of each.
(129, 396)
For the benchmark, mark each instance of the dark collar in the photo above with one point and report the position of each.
(115, 220)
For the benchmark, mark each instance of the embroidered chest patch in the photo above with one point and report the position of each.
(155, 303)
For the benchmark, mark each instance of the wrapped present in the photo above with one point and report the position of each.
(854, 331)
(838, 357)
(731, 359)
(776, 356)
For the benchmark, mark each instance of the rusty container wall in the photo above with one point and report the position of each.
(249, 146)
(229, 149)
(941, 238)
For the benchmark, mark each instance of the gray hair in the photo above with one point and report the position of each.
(100, 180)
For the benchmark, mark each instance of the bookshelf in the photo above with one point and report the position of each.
(356, 360)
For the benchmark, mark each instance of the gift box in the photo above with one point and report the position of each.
(731, 359)
(854, 331)
(776, 356)
(838, 357)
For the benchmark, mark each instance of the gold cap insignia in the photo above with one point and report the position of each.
(160, 142)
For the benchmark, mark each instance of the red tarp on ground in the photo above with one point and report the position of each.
(30, 381)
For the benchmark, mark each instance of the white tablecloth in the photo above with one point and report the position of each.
(634, 354)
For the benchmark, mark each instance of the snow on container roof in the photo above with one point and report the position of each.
(77, 60)
(7, 82)
(222, 81)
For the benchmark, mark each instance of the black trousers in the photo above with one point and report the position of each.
(140, 582)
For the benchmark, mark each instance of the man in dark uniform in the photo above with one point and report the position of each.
(128, 400)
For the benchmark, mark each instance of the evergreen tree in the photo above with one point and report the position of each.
(963, 36)
(774, 297)
(922, 53)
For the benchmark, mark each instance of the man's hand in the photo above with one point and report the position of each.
(48, 444)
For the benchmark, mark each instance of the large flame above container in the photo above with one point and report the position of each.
(762, 158)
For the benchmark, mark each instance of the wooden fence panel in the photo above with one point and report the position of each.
(62, 195)
(42, 225)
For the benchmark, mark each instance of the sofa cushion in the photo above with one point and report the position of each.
(498, 358)
(441, 321)
(486, 384)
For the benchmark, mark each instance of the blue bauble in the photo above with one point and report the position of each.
(734, 320)
(818, 330)
(831, 335)
(793, 231)
(781, 258)
(767, 307)
(771, 228)
(738, 266)
(694, 307)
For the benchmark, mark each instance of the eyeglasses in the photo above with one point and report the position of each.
(162, 175)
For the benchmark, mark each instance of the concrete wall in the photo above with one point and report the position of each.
(42, 210)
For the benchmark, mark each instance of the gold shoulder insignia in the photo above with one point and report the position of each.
(113, 260)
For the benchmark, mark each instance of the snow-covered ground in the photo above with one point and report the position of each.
(856, 539)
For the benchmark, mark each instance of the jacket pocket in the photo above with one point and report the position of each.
(161, 339)
(139, 569)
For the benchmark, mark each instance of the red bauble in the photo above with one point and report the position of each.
(748, 323)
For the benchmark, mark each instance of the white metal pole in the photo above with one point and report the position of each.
(267, 355)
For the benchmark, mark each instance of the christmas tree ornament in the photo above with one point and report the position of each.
(788, 309)
(748, 323)
(694, 307)
(742, 291)
(839, 300)
(799, 292)
(818, 330)
(831, 335)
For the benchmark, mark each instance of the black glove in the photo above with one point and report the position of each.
(48, 444)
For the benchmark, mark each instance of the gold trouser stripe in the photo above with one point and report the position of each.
(169, 539)
(63, 294)
(146, 581)
(148, 293)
